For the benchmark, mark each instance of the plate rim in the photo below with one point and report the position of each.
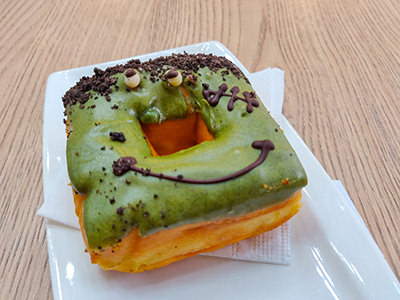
(217, 44)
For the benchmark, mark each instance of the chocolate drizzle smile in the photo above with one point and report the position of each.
(213, 97)
(128, 163)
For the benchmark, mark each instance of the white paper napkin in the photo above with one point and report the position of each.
(270, 247)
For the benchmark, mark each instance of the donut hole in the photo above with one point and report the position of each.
(174, 135)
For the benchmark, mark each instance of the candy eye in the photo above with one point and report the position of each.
(132, 78)
(173, 77)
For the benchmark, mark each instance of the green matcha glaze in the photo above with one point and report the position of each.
(175, 204)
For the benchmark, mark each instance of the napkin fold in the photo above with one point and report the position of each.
(270, 247)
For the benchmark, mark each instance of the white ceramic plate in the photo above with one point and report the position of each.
(333, 254)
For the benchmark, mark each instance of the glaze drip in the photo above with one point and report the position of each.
(128, 163)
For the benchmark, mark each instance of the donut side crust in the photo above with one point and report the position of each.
(135, 253)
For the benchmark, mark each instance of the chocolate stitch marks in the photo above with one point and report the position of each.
(213, 97)
(125, 164)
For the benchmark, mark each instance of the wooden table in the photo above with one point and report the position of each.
(342, 93)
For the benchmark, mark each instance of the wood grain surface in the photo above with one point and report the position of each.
(342, 93)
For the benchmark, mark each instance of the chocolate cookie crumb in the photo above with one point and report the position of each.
(123, 165)
(102, 81)
(117, 136)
